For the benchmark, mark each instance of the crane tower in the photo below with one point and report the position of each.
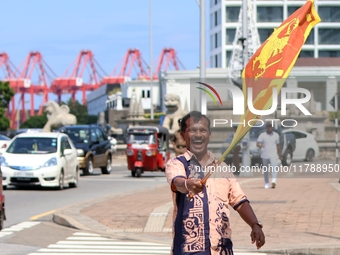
(236, 64)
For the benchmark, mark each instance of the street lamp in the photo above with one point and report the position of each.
(150, 65)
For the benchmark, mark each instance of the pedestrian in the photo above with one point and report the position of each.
(178, 143)
(202, 225)
(269, 142)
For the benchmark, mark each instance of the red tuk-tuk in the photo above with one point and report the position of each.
(2, 204)
(147, 149)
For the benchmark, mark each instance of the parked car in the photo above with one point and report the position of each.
(45, 159)
(4, 142)
(306, 146)
(287, 144)
(93, 147)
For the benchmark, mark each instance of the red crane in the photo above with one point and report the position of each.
(23, 84)
(168, 58)
(132, 58)
(5, 66)
(75, 81)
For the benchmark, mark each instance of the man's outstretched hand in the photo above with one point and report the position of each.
(195, 185)
(257, 236)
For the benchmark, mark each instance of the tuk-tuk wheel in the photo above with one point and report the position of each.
(138, 172)
(133, 173)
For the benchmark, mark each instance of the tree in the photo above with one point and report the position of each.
(35, 122)
(6, 94)
(78, 110)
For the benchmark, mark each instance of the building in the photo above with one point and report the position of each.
(323, 41)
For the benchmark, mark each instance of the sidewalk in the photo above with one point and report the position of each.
(300, 216)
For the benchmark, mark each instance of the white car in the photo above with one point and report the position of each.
(45, 159)
(4, 142)
(306, 146)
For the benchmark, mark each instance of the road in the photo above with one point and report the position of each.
(29, 228)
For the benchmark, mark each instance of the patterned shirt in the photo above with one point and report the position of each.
(202, 226)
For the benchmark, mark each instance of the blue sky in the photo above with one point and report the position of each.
(59, 29)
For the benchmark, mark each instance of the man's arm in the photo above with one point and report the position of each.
(279, 151)
(247, 214)
(185, 185)
(259, 142)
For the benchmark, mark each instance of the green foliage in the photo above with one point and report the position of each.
(156, 115)
(332, 115)
(78, 110)
(114, 91)
(35, 122)
(6, 94)
(92, 119)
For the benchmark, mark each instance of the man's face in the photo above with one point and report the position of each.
(197, 136)
(269, 129)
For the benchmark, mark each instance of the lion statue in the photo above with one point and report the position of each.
(174, 112)
(58, 116)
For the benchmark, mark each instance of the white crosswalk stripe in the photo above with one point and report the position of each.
(18, 227)
(93, 244)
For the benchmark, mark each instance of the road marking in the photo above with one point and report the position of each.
(18, 227)
(93, 244)
(42, 215)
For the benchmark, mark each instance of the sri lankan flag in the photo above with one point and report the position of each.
(271, 64)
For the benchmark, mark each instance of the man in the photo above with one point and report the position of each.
(202, 225)
(269, 142)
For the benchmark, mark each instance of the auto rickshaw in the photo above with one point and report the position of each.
(2, 204)
(147, 149)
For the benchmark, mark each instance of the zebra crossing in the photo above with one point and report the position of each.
(18, 227)
(94, 244)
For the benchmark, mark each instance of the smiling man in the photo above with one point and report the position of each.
(202, 224)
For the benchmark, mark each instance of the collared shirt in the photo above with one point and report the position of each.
(270, 142)
(205, 220)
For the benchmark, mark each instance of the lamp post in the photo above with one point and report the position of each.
(150, 65)
(202, 55)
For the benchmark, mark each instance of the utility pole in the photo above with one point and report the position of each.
(202, 55)
(150, 65)
(246, 139)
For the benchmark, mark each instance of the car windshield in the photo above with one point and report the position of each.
(33, 145)
(142, 138)
(256, 131)
(78, 135)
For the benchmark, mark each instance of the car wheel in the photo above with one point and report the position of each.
(61, 180)
(310, 155)
(287, 158)
(133, 173)
(74, 184)
(138, 172)
(108, 168)
(89, 167)
(2, 218)
(4, 187)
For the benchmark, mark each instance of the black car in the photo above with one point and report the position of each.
(93, 147)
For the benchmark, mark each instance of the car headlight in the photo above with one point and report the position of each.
(80, 152)
(3, 161)
(51, 162)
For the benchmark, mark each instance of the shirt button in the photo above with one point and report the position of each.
(210, 237)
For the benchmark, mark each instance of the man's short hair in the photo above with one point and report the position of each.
(197, 116)
(269, 124)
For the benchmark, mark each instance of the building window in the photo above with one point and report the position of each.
(292, 9)
(329, 53)
(329, 13)
(145, 93)
(232, 13)
(216, 40)
(230, 35)
(329, 35)
(269, 14)
(215, 19)
(310, 38)
(228, 56)
(216, 61)
(306, 54)
(264, 33)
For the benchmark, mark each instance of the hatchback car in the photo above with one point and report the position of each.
(93, 147)
(306, 146)
(45, 159)
(4, 142)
